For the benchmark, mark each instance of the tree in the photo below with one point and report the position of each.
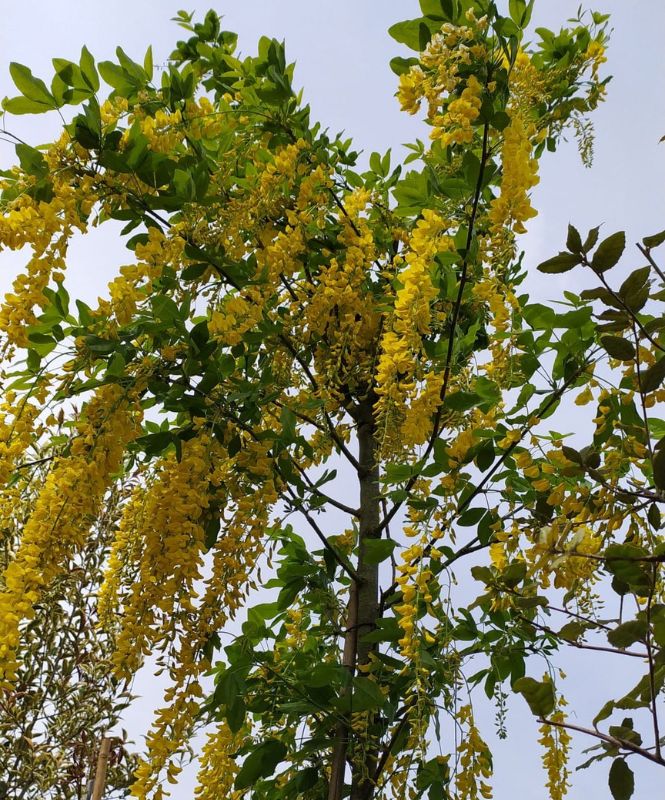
(64, 698)
(286, 316)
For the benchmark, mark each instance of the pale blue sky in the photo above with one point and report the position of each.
(342, 51)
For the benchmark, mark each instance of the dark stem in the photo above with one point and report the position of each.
(362, 784)
(622, 744)
(341, 746)
(363, 609)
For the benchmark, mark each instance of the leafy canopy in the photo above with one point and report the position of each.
(286, 314)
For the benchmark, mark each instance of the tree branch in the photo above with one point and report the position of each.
(622, 744)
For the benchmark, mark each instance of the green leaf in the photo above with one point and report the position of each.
(574, 240)
(147, 63)
(165, 308)
(414, 33)
(624, 562)
(462, 401)
(572, 455)
(539, 695)
(654, 240)
(432, 9)
(378, 550)
(609, 252)
(500, 120)
(302, 782)
(235, 713)
(591, 239)
(628, 633)
(659, 468)
(32, 161)
(561, 263)
(602, 294)
(618, 347)
(400, 65)
(517, 10)
(471, 517)
(367, 695)
(653, 515)
(652, 377)
(115, 76)
(621, 780)
(634, 282)
(97, 344)
(21, 105)
(29, 86)
(260, 763)
(88, 69)
(413, 193)
(326, 675)
(539, 317)
(485, 456)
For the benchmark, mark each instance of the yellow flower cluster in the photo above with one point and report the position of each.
(402, 342)
(17, 432)
(164, 131)
(475, 761)
(595, 53)
(171, 728)
(46, 227)
(283, 166)
(460, 446)
(528, 87)
(455, 125)
(512, 208)
(564, 549)
(339, 316)
(204, 122)
(170, 543)
(417, 423)
(63, 512)
(413, 581)
(296, 632)
(451, 110)
(233, 318)
(556, 745)
(218, 769)
(248, 503)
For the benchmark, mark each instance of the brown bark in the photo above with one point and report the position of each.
(362, 785)
(338, 765)
(100, 772)
(363, 609)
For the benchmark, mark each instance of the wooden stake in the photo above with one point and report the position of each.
(100, 772)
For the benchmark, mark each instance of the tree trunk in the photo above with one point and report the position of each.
(362, 785)
(363, 608)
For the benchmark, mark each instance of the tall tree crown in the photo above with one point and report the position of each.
(285, 315)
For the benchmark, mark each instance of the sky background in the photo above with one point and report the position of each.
(342, 51)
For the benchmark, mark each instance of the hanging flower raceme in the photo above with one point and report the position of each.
(64, 510)
(402, 342)
(163, 524)
(475, 760)
(513, 208)
(199, 611)
(555, 740)
(218, 768)
(45, 226)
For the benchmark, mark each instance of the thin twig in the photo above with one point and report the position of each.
(353, 512)
(579, 645)
(612, 740)
(343, 563)
(647, 254)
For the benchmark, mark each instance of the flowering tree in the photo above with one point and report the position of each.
(63, 698)
(284, 317)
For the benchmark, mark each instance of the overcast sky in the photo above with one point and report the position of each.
(342, 52)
